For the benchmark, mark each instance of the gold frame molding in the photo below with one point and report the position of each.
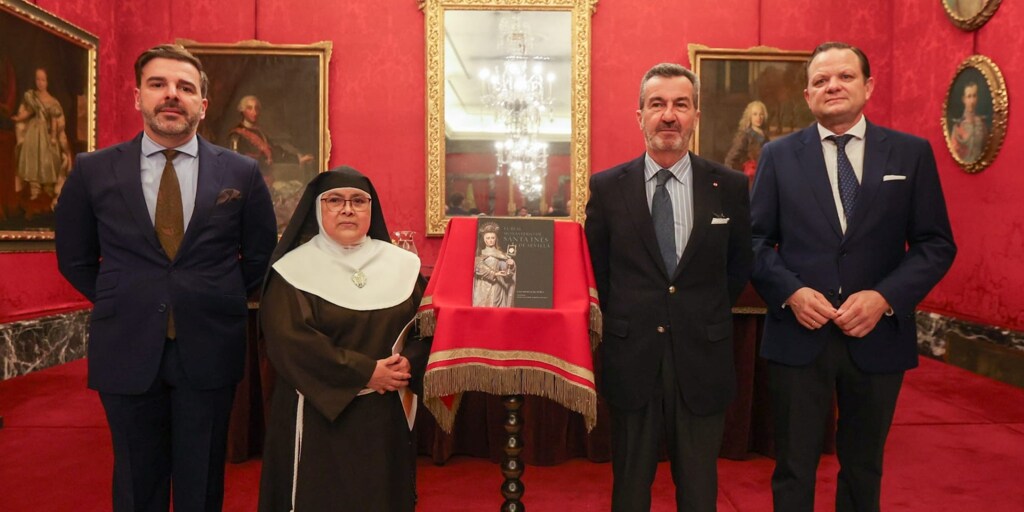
(1000, 112)
(41, 239)
(579, 146)
(274, 68)
(699, 53)
(321, 50)
(973, 22)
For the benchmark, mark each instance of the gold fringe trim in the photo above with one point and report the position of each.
(509, 355)
(504, 381)
(426, 322)
(445, 417)
(596, 326)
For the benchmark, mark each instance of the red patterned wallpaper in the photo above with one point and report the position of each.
(376, 113)
(985, 209)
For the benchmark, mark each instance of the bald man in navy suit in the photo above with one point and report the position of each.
(166, 234)
(850, 234)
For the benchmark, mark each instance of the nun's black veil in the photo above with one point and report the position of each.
(303, 225)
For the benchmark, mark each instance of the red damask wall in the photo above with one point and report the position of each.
(376, 113)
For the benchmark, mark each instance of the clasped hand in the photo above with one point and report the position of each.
(856, 317)
(391, 374)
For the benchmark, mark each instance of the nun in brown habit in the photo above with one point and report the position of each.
(337, 297)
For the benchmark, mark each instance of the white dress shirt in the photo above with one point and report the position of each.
(854, 151)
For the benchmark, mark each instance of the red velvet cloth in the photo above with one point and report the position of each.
(503, 351)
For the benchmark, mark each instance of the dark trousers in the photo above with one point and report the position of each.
(802, 399)
(693, 444)
(170, 433)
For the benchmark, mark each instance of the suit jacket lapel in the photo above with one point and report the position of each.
(128, 174)
(634, 195)
(812, 163)
(706, 202)
(876, 154)
(208, 185)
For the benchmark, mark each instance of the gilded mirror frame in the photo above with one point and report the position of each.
(579, 145)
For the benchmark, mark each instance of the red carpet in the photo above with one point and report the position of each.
(957, 444)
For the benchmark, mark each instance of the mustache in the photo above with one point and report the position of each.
(175, 104)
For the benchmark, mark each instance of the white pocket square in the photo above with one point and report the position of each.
(719, 220)
(893, 177)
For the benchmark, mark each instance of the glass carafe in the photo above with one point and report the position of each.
(405, 240)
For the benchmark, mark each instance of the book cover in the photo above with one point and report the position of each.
(514, 263)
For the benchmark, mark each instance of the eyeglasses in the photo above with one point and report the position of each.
(336, 203)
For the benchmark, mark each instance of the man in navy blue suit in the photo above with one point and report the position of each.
(850, 233)
(166, 234)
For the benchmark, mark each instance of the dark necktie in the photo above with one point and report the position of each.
(169, 219)
(664, 223)
(848, 184)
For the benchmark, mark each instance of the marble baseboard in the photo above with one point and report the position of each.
(31, 345)
(934, 330)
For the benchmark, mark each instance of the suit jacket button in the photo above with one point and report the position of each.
(671, 289)
(161, 308)
(661, 330)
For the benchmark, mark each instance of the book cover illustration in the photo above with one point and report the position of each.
(514, 263)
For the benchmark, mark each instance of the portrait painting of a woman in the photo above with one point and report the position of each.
(43, 154)
(494, 280)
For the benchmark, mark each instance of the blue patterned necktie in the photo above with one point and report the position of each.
(664, 223)
(848, 184)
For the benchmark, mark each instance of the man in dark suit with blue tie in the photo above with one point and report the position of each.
(850, 234)
(669, 237)
(166, 234)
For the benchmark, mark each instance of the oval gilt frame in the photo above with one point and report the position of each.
(969, 23)
(993, 78)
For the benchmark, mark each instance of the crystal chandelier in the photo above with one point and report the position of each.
(519, 93)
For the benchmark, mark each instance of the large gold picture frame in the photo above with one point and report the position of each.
(736, 83)
(289, 136)
(970, 15)
(975, 113)
(576, 150)
(47, 116)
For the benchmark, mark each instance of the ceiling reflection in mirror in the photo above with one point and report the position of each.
(507, 112)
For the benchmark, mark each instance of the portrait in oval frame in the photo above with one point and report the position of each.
(970, 14)
(974, 114)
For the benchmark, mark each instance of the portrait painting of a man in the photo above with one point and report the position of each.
(265, 103)
(974, 117)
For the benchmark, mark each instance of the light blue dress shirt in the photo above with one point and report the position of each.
(680, 190)
(186, 166)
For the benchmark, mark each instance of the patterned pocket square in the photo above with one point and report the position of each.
(227, 195)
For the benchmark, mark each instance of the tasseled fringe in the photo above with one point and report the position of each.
(505, 381)
(445, 417)
(596, 326)
(426, 322)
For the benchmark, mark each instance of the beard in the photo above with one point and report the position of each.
(657, 142)
(169, 128)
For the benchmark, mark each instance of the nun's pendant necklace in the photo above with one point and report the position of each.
(359, 278)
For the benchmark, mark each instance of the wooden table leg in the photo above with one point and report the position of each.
(511, 466)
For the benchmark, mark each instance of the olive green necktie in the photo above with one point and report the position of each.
(169, 219)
